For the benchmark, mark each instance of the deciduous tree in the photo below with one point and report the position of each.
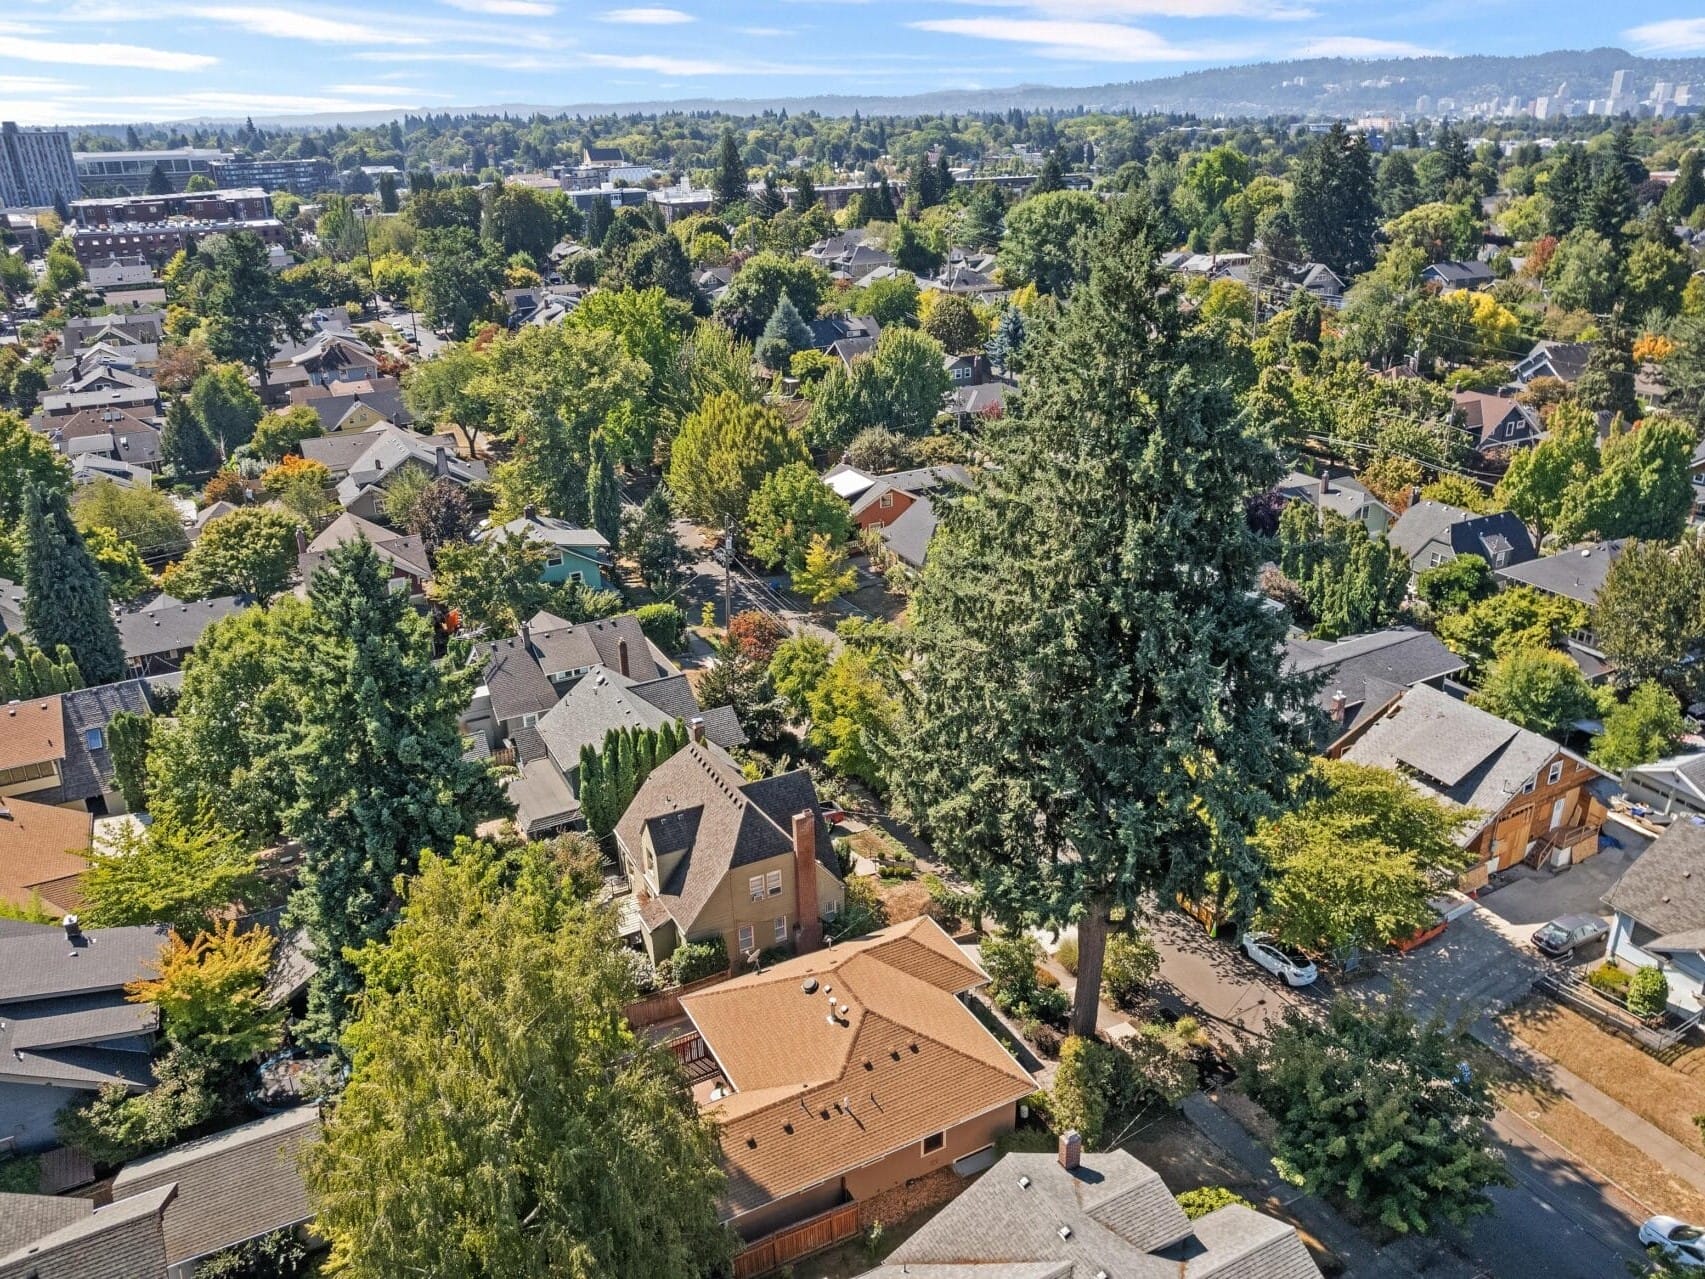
(250, 551)
(790, 508)
(722, 455)
(1539, 688)
(1647, 727)
(211, 993)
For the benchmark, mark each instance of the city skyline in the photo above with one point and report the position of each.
(97, 61)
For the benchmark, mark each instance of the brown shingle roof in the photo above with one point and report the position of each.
(32, 732)
(41, 854)
(817, 1097)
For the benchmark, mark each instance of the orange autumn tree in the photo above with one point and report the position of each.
(211, 993)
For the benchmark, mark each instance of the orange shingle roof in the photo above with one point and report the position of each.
(902, 1059)
(41, 858)
(31, 732)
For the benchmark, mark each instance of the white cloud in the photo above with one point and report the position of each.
(505, 8)
(383, 90)
(131, 57)
(1273, 10)
(1088, 41)
(662, 65)
(1362, 47)
(501, 61)
(1677, 35)
(764, 33)
(647, 17)
(292, 24)
(29, 86)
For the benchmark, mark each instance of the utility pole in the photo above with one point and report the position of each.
(727, 574)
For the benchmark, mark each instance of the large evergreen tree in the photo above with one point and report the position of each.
(65, 596)
(378, 766)
(728, 182)
(1097, 709)
(1332, 201)
(603, 495)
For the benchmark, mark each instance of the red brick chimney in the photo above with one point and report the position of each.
(1071, 1150)
(810, 927)
(696, 728)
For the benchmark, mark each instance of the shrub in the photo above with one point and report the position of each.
(1648, 992)
(113, 1127)
(1205, 1199)
(1046, 1003)
(1010, 961)
(20, 1175)
(1082, 1085)
(665, 625)
(1066, 955)
(1610, 980)
(1131, 964)
(697, 959)
(1046, 1040)
(1046, 979)
(279, 1255)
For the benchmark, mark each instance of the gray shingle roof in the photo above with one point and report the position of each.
(518, 687)
(1454, 751)
(1116, 1217)
(1465, 532)
(570, 646)
(232, 1186)
(604, 700)
(338, 451)
(123, 1240)
(168, 625)
(1576, 574)
(1664, 889)
(25, 1218)
(42, 964)
(1342, 495)
(1370, 669)
(909, 536)
(88, 770)
(402, 551)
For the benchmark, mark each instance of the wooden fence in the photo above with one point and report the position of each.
(665, 1005)
(812, 1235)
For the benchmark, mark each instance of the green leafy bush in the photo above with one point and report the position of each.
(1648, 992)
(694, 960)
(1611, 980)
(1131, 964)
(1205, 1199)
(665, 625)
(114, 1127)
(279, 1255)
(20, 1175)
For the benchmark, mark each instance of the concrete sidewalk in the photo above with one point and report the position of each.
(1652, 1140)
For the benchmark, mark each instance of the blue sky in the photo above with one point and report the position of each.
(83, 61)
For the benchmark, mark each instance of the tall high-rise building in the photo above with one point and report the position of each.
(1660, 93)
(35, 167)
(1619, 84)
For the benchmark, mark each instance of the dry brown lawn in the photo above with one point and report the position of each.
(903, 899)
(1663, 1096)
(1607, 1154)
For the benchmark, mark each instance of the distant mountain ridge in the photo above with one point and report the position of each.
(1308, 87)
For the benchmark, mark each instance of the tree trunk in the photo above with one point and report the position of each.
(1091, 950)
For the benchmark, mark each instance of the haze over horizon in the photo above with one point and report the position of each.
(72, 62)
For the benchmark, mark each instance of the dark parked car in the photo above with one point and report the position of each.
(1561, 937)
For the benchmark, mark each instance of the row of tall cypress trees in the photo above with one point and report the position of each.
(611, 775)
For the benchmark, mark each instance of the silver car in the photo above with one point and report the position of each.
(1296, 968)
(1562, 937)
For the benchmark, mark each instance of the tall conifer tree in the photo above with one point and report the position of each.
(1097, 710)
(65, 596)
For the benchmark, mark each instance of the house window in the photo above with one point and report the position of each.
(554, 561)
(755, 886)
(577, 577)
(397, 585)
(1555, 774)
(746, 938)
(772, 882)
(781, 929)
(1527, 787)
(934, 1142)
(528, 720)
(1500, 559)
(94, 738)
(886, 501)
(1435, 559)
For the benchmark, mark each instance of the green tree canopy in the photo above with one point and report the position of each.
(184, 874)
(1646, 727)
(1374, 1107)
(1643, 489)
(492, 1052)
(1332, 201)
(1539, 688)
(722, 454)
(1517, 618)
(65, 595)
(1649, 616)
(1539, 479)
(144, 517)
(1351, 581)
(248, 309)
(249, 551)
(791, 506)
(1045, 242)
(1355, 865)
(1107, 550)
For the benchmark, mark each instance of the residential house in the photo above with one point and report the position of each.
(118, 328)
(831, 329)
(710, 854)
(900, 505)
(355, 406)
(1343, 495)
(967, 276)
(56, 747)
(1433, 533)
(1532, 800)
(1672, 785)
(404, 554)
(169, 1212)
(1565, 361)
(159, 635)
(1575, 574)
(1696, 470)
(120, 436)
(1660, 913)
(139, 395)
(88, 468)
(572, 553)
(344, 450)
(75, 370)
(1073, 1214)
(849, 257)
(606, 699)
(11, 607)
(1363, 674)
(1450, 276)
(847, 1072)
(1496, 422)
(528, 673)
(326, 358)
(1322, 281)
(539, 307)
(66, 1028)
(361, 491)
